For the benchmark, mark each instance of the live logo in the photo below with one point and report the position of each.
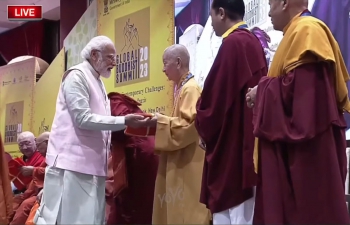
(24, 12)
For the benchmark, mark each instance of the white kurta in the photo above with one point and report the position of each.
(70, 197)
(241, 214)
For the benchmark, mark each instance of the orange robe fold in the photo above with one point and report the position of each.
(134, 170)
(23, 203)
(302, 160)
(5, 188)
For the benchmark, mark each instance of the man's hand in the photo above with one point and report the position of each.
(27, 170)
(134, 120)
(250, 96)
(38, 197)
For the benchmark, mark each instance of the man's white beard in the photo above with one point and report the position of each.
(101, 67)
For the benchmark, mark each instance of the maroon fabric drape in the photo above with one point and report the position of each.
(27, 39)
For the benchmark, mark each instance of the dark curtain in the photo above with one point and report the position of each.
(196, 12)
(51, 42)
(2, 61)
(37, 38)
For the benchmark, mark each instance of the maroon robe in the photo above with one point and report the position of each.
(224, 122)
(302, 159)
(134, 203)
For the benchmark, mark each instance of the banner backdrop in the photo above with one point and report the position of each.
(16, 102)
(45, 95)
(141, 31)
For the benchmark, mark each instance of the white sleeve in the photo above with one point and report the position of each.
(76, 93)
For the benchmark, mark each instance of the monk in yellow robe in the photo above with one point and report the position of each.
(178, 182)
(23, 203)
(5, 188)
(298, 120)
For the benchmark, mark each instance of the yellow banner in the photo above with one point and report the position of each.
(16, 102)
(141, 30)
(45, 95)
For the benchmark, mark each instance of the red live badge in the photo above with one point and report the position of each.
(24, 12)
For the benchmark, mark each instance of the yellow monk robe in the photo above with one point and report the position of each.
(178, 183)
(308, 40)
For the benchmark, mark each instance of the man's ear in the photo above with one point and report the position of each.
(93, 54)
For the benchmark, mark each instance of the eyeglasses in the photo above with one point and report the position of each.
(111, 58)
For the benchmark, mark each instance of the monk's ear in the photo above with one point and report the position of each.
(178, 62)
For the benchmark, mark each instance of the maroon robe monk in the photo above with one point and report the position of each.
(302, 163)
(31, 157)
(23, 203)
(224, 121)
(299, 122)
(134, 197)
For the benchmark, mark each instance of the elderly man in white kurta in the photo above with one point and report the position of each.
(77, 153)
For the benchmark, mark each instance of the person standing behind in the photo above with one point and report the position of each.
(134, 167)
(299, 120)
(74, 188)
(177, 190)
(224, 122)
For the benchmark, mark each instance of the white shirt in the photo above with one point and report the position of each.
(76, 92)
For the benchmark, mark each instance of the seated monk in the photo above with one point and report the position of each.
(5, 188)
(135, 168)
(23, 203)
(31, 157)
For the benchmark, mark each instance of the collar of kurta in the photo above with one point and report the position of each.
(233, 28)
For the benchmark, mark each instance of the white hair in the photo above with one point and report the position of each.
(96, 43)
(25, 134)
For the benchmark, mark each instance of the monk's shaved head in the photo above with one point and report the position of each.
(283, 11)
(43, 137)
(26, 143)
(41, 143)
(176, 59)
(178, 51)
(26, 135)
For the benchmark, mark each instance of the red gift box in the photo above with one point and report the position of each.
(141, 131)
(21, 182)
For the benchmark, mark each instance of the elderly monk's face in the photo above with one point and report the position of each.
(27, 146)
(278, 14)
(171, 66)
(104, 61)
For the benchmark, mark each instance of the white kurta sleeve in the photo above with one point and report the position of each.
(76, 92)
